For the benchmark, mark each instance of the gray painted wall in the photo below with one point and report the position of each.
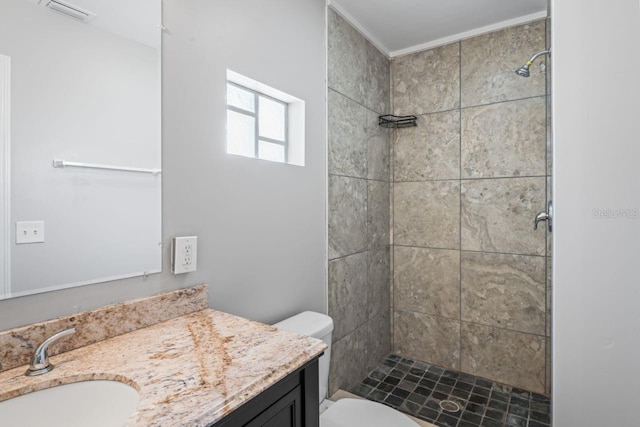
(596, 274)
(261, 225)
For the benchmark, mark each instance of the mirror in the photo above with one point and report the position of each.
(84, 79)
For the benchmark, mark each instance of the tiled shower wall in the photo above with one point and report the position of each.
(469, 272)
(359, 255)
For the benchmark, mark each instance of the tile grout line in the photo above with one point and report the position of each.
(392, 276)
(460, 203)
(361, 104)
(358, 177)
(547, 194)
(487, 178)
(364, 251)
(470, 251)
(504, 101)
(368, 239)
(392, 255)
(470, 322)
(468, 107)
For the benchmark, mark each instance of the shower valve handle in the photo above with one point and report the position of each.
(544, 216)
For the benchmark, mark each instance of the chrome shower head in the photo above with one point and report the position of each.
(524, 71)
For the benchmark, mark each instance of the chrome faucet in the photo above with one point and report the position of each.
(40, 360)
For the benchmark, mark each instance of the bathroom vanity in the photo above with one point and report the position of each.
(292, 402)
(206, 368)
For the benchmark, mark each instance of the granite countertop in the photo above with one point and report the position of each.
(190, 371)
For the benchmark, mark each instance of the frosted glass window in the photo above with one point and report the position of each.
(256, 124)
(270, 151)
(240, 98)
(241, 130)
(272, 119)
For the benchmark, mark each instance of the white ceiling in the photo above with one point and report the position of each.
(137, 20)
(399, 27)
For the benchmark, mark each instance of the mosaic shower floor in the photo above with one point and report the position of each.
(417, 388)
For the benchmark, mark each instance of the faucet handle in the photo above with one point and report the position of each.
(545, 216)
(542, 216)
(40, 360)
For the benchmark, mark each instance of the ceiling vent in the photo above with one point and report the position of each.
(68, 9)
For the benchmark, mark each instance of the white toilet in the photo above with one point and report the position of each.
(344, 412)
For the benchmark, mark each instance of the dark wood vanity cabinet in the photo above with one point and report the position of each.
(292, 402)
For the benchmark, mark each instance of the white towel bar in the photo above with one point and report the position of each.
(64, 164)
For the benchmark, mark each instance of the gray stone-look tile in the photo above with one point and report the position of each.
(348, 293)
(427, 81)
(378, 286)
(378, 150)
(378, 339)
(378, 214)
(349, 360)
(429, 151)
(489, 63)
(549, 296)
(427, 281)
(427, 214)
(391, 217)
(377, 86)
(549, 58)
(347, 216)
(544, 225)
(391, 272)
(347, 52)
(549, 138)
(507, 291)
(548, 368)
(431, 339)
(498, 214)
(504, 140)
(347, 137)
(513, 358)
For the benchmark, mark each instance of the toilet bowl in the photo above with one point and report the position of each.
(344, 412)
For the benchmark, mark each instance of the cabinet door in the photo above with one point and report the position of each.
(292, 401)
(286, 412)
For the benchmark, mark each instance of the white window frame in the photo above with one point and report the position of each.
(296, 150)
(256, 116)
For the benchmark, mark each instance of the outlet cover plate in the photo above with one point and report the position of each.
(184, 254)
(29, 232)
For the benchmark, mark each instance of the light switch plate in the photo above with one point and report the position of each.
(29, 232)
(184, 254)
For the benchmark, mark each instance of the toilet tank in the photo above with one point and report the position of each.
(318, 326)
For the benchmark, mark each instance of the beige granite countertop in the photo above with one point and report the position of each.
(189, 371)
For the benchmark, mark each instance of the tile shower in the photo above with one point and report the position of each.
(469, 278)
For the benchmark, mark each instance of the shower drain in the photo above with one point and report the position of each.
(449, 406)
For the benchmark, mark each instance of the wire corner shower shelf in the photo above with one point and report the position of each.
(394, 122)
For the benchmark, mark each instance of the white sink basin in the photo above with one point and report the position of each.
(81, 404)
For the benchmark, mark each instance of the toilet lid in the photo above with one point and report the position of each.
(363, 413)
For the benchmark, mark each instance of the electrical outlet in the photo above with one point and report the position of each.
(184, 252)
(29, 232)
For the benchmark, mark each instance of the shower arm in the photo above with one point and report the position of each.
(534, 57)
